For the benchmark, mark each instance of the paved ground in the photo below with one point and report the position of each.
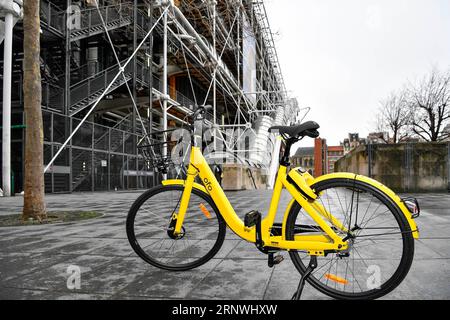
(34, 260)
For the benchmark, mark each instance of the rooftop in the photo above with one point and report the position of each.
(301, 152)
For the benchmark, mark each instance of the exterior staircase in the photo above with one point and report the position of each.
(142, 23)
(115, 16)
(52, 18)
(85, 93)
(87, 89)
(82, 163)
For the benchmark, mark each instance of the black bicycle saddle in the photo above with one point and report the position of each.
(307, 129)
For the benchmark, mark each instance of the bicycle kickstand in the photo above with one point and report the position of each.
(312, 265)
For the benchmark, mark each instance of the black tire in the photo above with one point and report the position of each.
(404, 237)
(155, 261)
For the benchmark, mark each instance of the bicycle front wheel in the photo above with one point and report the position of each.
(149, 229)
(381, 248)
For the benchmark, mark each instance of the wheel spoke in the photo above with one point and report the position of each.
(377, 237)
(194, 246)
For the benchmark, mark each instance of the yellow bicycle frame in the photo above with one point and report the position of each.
(313, 244)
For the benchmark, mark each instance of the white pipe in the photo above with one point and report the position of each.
(206, 49)
(165, 98)
(7, 66)
(213, 2)
(279, 120)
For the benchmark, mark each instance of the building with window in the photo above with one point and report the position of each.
(219, 53)
(352, 142)
(334, 153)
(318, 160)
(304, 157)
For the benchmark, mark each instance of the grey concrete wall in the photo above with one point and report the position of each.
(418, 167)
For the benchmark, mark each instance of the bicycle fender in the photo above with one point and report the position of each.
(182, 183)
(388, 192)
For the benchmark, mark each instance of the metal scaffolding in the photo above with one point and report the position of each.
(162, 59)
(11, 11)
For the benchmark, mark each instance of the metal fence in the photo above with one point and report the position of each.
(411, 167)
(98, 158)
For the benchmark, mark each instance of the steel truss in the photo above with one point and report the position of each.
(204, 40)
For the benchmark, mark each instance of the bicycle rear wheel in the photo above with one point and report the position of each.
(149, 229)
(380, 254)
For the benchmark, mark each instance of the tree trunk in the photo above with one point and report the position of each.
(34, 202)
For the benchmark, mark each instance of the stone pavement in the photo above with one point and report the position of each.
(34, 260)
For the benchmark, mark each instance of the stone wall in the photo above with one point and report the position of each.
(418, 167)
(237, 177)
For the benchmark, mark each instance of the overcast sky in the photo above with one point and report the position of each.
(342, 57)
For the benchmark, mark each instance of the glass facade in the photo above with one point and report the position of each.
(98, 158)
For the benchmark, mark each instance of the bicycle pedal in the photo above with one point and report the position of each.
(274, 260)
(252, 218)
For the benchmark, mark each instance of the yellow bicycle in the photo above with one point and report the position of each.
(357, 234)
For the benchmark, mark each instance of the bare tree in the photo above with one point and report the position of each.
(34, 202)
(394, 117)
(429, 102)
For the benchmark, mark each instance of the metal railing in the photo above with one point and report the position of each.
(90, 163)
(114, 16)
(52, 96)
(142, 75)
(142, 22)
(89, 89)
(53, 17)
(86, 92)
(112, 140)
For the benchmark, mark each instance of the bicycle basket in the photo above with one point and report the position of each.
(159, 155)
